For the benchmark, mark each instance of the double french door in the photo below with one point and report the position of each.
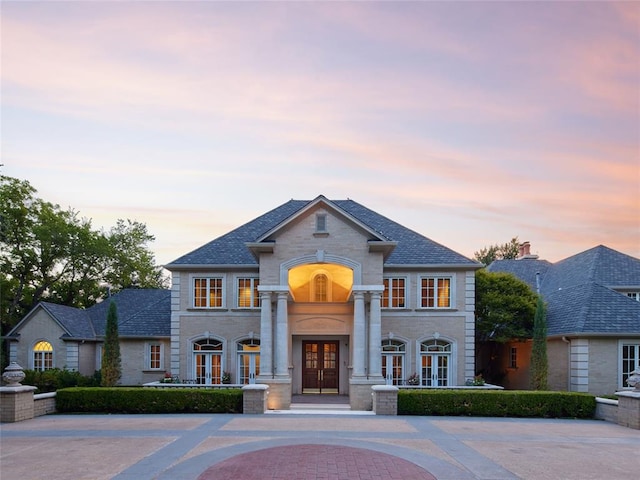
(208, 368)
(320, 362)
(435, 370)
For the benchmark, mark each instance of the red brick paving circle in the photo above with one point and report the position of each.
(315, 462)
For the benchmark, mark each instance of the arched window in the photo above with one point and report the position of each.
(393, 353)
(321, 288)
(248, 361)
(435, 363)
(207, 361)
(42, 356)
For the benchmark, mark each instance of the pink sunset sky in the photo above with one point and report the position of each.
(470, 123)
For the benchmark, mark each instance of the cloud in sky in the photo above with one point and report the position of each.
(469, 122)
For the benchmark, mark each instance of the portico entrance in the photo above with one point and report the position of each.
(320, 367)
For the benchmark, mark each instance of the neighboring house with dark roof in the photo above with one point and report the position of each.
(593, 318)
(55, 336)
(314, 296)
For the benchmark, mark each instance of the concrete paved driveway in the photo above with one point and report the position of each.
(306, 446)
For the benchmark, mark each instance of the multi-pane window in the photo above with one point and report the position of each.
(394, 294)
(207, 292)
(153, 360)
(630, 360)
(248, 296)
(435, 292)
(42, 356)
(321, 283)
(435, 356)
(634, 295)
(393, 352)
(513, 357)
(248, 361)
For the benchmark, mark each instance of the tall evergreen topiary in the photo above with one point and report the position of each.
(111, 369)
(539, 364)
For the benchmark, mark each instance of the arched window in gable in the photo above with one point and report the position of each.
(42, 356)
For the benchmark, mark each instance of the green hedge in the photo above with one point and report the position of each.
(56, 378)
(496, 403)
(148, 400)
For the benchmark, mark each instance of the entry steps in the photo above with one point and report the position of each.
(319, 409)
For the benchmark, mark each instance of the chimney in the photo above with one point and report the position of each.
(524, 251)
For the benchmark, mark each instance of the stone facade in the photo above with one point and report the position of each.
(350, 320)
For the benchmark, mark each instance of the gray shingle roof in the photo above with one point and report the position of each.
(141, 313)
(578, 291)
(412, 248)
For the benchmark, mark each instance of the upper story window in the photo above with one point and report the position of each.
(394, 295)
(321, 284)
(42, 356)
(321, 223)
(634, 295)
(207, 292)
(435, 292)
(248, 296)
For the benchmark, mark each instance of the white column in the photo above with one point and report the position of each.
(266, 335)
(282, 332)
(358, 340)
(375, 336)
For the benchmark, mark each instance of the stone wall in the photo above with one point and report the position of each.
(44, 404)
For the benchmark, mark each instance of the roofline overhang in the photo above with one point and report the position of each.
(256, 248)
(330, 204)
(593, 334)
(431, 266)
(386, 247)
(101, 338)
(212, 266)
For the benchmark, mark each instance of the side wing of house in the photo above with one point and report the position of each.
(41, 342)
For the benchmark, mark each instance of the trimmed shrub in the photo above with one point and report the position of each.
(56, 378)
(148, 400)
(496, 403)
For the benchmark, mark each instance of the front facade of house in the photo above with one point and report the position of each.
(593, 320)
(323, 297)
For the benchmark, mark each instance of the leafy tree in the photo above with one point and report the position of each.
(111, 368)
(51, 254)
(506, 251)
(505, 307)
(539, 364)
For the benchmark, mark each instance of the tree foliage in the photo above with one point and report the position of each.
(505, 307)
(539, 364)
(506, 251)
(47, 253)
(111, 364)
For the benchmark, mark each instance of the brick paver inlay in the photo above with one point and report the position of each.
(315, 462)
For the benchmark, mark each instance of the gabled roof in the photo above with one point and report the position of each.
(579, 291)
(141, 313)
(412, 248)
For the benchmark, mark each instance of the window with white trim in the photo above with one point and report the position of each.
(42, 356)
(248, 296)
(630, 358)
(394, 295)
(435, 292)
(154, 356)
(321, 222)
(634, 295)
(393, 354)
(435, 363)
(207, 292)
